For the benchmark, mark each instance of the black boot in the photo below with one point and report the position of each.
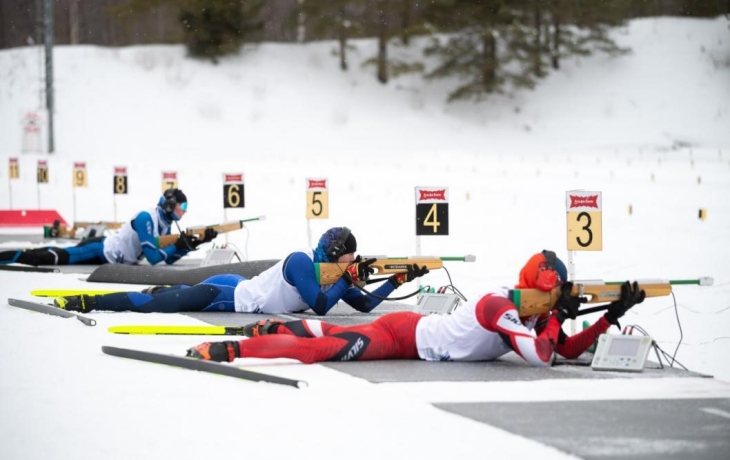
(80, 303)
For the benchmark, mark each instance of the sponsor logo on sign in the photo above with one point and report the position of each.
(319, 183)
(234, 177)
(590, 201)
(432, 195)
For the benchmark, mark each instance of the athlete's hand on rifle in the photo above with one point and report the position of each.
(413, 272)
(359, 270)
(630, 296)
(184, 243)
(191, 242)
(567, 306)
(209, 235)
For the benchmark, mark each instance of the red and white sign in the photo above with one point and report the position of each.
(432, 195)
(583, 201)
(235, 178)
(32, 122)
(320, 184)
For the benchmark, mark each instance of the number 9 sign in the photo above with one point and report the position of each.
(584, 221)
(79, 175)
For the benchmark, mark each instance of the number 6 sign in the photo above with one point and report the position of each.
(584, 221)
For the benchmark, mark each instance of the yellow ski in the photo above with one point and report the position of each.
(177, 330)
(70, 292)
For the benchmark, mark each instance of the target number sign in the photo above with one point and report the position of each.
(233, 190)
(79, 177)
(121, 186)
(169, 180)
(42, 171)
(584, 214)
(13, 168)
(432, 211)
(317, 199)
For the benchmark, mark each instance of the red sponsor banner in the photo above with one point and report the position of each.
(79, 165)
(589, 201)
(42, 163)
(317, 183)
(233, 177)
(169, 175)
(432, 195)
(29, 218)
(13, 161)
(120, 170)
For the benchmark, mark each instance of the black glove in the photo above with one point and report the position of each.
(630, 296)
(184, 242)
(567, 306)
(216, 351)
(412, 272)
(209, 235)
(359, 270)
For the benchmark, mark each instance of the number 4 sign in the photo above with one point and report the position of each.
(432, 211)
(584, 221)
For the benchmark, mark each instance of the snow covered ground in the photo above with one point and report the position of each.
(648, 130)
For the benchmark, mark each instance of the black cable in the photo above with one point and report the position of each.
(375, 296)
(681, 334)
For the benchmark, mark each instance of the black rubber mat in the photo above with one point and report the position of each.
(695, 429)
(145, 274)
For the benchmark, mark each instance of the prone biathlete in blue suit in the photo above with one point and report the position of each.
(137, 239)
(289, 286)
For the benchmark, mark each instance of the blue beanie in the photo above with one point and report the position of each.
(320, 252)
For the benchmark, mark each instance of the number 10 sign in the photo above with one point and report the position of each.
(584, 221)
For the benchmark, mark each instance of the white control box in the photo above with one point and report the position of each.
(218, 256)
(621, 352)
(431, 303)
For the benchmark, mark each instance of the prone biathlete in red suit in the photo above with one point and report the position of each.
(481, 330)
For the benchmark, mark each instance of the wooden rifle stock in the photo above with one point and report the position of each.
(534, 301)
(199, 232)
(329, 273)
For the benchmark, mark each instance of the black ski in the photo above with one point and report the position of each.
(28, 268)
(50, 310)
(199, 365)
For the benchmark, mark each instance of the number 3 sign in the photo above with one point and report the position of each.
(584, 221)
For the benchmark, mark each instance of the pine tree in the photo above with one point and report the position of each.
(214, 28)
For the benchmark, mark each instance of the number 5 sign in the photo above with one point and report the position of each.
(432, 211)
(584, 221)
(317, 199)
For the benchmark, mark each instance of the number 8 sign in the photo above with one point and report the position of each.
(584, 221)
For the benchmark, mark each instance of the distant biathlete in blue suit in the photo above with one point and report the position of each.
(289, 286)
(137, 239)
